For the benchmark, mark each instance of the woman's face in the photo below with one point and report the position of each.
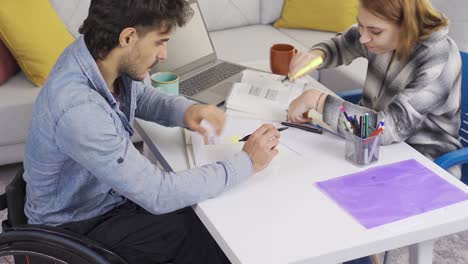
(377, 34)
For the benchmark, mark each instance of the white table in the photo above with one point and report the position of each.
(280, 216)
(283, 218)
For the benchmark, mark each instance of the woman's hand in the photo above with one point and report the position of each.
(301, 60)
(299, 108)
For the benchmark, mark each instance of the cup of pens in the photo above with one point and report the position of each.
(362, 141)
(362, 151)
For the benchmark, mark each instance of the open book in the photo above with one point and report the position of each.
(264, 96)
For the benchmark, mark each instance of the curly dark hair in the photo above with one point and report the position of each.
(107, 18)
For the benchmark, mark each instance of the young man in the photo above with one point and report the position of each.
(81, 168)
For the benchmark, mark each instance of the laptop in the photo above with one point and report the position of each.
(190, 54)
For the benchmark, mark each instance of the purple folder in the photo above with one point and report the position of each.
(388, 193)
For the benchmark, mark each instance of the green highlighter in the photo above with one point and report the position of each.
(314, 63)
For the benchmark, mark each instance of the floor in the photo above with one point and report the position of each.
(448, 250)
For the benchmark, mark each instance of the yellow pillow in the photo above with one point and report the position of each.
(34, 34)
(325, 15)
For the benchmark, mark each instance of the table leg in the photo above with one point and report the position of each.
(421, 253)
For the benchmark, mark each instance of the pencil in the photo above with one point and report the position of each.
(247, 137)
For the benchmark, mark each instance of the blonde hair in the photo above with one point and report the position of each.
(417, 20)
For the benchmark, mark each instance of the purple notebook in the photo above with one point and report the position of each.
(388, 193)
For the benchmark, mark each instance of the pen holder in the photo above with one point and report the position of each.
(362, 151)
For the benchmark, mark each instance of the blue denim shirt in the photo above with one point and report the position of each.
(80, 161)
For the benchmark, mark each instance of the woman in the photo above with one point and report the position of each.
(413, 79)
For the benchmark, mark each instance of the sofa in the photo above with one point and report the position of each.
(241, 32)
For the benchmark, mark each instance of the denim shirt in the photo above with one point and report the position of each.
(80, 162)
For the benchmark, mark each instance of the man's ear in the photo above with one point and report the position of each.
(127, 37)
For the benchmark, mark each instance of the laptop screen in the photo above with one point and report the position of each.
(187, 45)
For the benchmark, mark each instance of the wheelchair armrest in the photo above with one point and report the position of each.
(63, 236)
(453, 158)
(352, 96)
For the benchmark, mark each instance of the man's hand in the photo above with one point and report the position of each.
(261, 146)
(197, 112)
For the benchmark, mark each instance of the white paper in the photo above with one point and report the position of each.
(226, 144)
(299, 141)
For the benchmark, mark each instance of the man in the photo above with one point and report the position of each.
(83, 172)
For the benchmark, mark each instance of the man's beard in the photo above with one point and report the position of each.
(132, 73)
(129, 65)
(131, 70)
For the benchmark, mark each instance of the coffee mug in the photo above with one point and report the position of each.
(280, 58)
(166, 81)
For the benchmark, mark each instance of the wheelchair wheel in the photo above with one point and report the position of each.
(30, 247)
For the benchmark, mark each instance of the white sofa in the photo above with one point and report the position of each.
(241, 32)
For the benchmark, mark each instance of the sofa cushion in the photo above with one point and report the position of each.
(251, 43)
(270, 10)
(455, 10)
(72, 13)
(17, 98)
(8, 65)
(222, 14)
(330, 15)
(307, 37)
(37, 39)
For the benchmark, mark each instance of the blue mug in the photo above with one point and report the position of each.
(166, 81)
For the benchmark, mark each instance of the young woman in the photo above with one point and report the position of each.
(413, 79)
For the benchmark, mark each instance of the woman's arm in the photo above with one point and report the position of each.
(431, 101)
(341, 49)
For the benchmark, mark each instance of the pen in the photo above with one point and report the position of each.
(357, 126)
(361, 128)
(314, 63)
(381, 124)
(303, 127)
(351, 121)
(344, 112)
(247, 137)
(366, 125)
(378, 131)
(346, 126)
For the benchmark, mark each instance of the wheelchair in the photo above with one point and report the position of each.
(33, 244)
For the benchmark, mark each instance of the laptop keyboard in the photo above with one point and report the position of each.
(208, 78)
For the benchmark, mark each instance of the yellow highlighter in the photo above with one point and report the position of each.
(313, 64)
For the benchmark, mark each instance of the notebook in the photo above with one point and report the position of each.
(203, 77)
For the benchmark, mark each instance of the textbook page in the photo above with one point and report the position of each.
(266, 96)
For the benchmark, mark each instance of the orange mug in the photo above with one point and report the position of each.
(280, 58)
